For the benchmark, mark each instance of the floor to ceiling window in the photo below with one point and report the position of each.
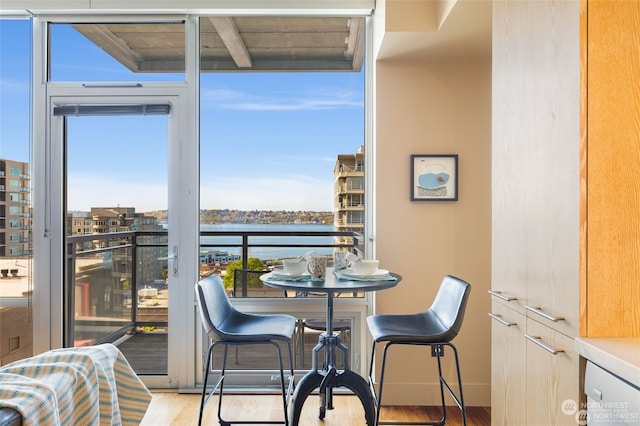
(281, 126)
(280, 102)
(16, 285)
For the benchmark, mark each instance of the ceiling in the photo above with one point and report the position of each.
(237, 44)
(294, 43)
(465, 33)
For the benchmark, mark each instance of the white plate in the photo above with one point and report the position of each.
(351, 273)
(282, 273)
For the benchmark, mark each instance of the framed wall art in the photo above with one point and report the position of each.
(434, 177)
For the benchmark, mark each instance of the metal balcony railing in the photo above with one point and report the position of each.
(115, 283)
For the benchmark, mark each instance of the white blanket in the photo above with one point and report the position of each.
(92, 385)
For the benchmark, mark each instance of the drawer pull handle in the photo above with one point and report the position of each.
(501, 296)
(538, 341)
(537, 310)
(597, 393)
(502, 320)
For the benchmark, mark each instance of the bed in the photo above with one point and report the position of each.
(93, 385)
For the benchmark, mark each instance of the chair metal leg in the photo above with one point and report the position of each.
(287, 390)
(204, 384)
(439, 352)
(382, 368)
(299, 333)
(224, 369)
(459, 400)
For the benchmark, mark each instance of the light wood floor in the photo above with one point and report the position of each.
(170, 408)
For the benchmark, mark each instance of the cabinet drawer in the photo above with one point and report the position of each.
(552, 376)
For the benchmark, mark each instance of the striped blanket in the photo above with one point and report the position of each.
(92, 385)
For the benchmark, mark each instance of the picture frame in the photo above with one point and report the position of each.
(434, 177)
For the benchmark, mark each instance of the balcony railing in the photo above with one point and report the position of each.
(351, 188)
(116, 282)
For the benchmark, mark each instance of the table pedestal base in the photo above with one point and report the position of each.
(328, 378)
(325, 381)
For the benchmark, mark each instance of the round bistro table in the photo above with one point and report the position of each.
(329, 377)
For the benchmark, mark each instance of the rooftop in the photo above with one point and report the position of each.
(15, 284)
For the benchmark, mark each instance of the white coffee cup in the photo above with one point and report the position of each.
(365, 266)
(295, 268)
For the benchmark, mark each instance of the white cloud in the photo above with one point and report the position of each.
(292, 193)
(236, 100)
(94, 190)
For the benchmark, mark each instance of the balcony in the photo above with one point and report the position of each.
(351, 188)
(347, 171)
(117, 285)
(351, 205)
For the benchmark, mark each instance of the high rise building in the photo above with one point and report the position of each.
(348, 202)
(15, 209)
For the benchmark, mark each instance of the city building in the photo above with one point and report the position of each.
(15, 210)
(112, 219)
(101, 220)
(15, 250)
(348, 202)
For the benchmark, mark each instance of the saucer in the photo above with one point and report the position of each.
(351, 273)
(281, 273)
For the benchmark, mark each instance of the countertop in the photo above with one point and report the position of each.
(621, 356)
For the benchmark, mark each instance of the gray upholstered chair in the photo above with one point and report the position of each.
(227, 326)
(436, 327)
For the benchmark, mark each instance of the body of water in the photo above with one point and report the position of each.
(226, 243)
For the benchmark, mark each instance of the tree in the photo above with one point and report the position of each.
(253, 280)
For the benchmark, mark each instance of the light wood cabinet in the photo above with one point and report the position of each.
(536, 208)
(508, 374)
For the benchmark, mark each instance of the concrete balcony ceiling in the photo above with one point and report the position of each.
(237, 44)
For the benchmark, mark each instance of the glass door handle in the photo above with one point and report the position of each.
(173, 257)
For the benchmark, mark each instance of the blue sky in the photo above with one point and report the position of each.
(268, 140)
(15, 47)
